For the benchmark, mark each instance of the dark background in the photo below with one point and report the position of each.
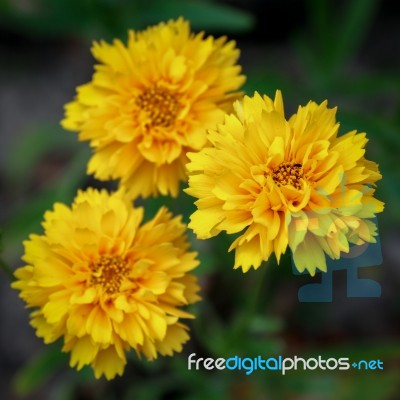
(345, 51)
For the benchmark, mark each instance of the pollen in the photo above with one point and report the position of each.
(108, 272)
(160, 104)
(288, 173)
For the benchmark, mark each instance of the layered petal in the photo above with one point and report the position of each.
(150, 102)
(107, 283)
(282, 183)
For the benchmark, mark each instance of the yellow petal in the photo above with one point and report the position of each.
(98, 326)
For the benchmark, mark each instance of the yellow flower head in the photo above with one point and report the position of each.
(108, 284)
(151, 101)
(283, 183)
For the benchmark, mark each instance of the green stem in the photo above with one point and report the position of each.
(251, 307)
(6, 269)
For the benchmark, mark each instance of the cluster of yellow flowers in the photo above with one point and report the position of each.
(162, 109)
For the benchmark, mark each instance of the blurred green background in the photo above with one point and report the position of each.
(345, 51)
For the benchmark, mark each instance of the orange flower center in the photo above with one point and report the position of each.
(108, 272)
(287, 173)
(160, 104)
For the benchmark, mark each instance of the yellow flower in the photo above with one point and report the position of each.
(283, 183)
(108, 284)
(151, 101)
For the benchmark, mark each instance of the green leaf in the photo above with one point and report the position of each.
(39, 370)
(107, 19)
(202, 14)
(3, 265)
(26, 217)
(35, 145)
(354, 25)
(73, 176)
(25, 220)
(337, 33)
(265, 324)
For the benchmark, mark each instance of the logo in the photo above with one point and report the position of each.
(280, 363)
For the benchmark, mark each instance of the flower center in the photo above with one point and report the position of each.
(160, 104)
(287, 173)
(108, 272)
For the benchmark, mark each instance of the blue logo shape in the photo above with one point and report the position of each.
(360, 256)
